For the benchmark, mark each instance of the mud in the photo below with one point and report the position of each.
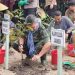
(31, 68)
(28, 67)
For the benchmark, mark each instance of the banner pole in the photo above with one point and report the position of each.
(59, 65)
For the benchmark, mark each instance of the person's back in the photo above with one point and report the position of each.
(51, 7)
(31, 8)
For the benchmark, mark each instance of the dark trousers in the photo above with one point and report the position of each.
(42, 3)
(30, 11)
(26, 51)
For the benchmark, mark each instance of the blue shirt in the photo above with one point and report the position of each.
(64, 24)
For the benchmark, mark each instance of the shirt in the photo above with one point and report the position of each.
(65, 24)
(33, 4)
(40, 36)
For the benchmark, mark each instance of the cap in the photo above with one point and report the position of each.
(3, 7)
(30, 19)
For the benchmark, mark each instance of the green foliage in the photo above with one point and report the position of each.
(46, 21)
(18, 13)
(20, 27)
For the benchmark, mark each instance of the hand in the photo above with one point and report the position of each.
(51, 6)
(69, 31)
(35, 57)
(21, 48)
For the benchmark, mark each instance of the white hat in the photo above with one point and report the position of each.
(3, 7)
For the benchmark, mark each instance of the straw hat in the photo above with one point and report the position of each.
(3, 7)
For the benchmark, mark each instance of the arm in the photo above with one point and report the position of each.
(44, 49)
(69, 24)
(53, 2)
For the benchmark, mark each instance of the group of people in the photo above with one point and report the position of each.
(41, 37)
(36, 41)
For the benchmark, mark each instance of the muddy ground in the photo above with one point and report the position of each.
(17, 66)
